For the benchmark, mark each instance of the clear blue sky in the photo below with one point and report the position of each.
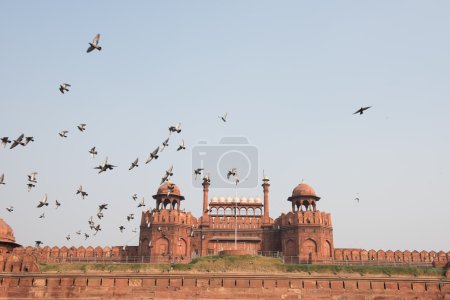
(289, 73)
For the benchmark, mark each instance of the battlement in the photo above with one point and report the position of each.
(304, 217)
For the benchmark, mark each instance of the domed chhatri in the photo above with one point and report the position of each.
(168, 196)
(7, 239)
(169, 188)
(303, 197)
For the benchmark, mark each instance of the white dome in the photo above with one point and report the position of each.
(244, 200)
(236, 199)
(251, 200)
(258, 200)
(222, 199)
(214, 199)
(229, 199)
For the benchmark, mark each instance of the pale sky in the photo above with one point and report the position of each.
(290, 74)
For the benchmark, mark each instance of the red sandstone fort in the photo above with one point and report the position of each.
(241, 225)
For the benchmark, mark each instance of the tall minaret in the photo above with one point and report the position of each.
(265, 186)
(205, 185)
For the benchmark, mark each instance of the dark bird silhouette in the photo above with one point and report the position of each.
(42, 216)
(134, 197)
(134, 230)
(93, 152)
(197, 172)
(105, 166)
(142, 203)
(2, 179)
(43, 202)
(30, 186)
(130, 217)
(103, 206)
(165, 144)
(78, 232)
(28, 139)
(361, 110)
(224, 117)
(181, 146)
(134, 164)
(38, 243)
(176, 128)
(153, 155)
(57, 203)
(81, 127)
(80, 191)
(68, 237)
(121, 228)
(86, 236)
(10, 209)
(64, 87)
(5, 140)
(94, 44)
(232, 172)
(97, 228)
(63, 133)
(17, 141)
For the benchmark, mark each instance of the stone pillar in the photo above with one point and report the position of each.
(265, 186)
(205, 185)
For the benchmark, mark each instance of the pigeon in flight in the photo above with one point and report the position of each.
(32, 177)
(57, 203)
(197, 172)
(93, 152)
(100, 215)
(361, 110)
(81, 127)
(169, 172)
(97, 229)
(176, 128)
(102, 207)
(42, 216)
(134, 164)
(5, 140)
(28, 139)
(43, 202)
(130, 217)
(80, 191)
(64, 87)
(232, 172)
(181, 146)
(2, 179)
(105, 166)
(63, 133)
(171, 187)
(86, 236)
(141, 204)
(38, 243)
(121, 228)
(134, 197)
(165, 144)
(68, 237)
(78, 232)
(134, 230)
(17, 141)
(94, 44)
(224, 117)
(10, 209)
(30, 186)
(153, 155)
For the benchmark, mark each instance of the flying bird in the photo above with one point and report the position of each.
(57, 203)
(181, 146)
(30, 186)
(97, 229)
(130, 217)
(28, 139)
(64, 87)
(68, 237)
(197, 172)
(121, 228)
(78, 232)
(42, 216)
(80, 191)
(141, 204)
(361, 110)
(38, 243)
(153, 155)
(357, 199)
(5, 140)
(165, 144)
(102, 207)
(100, 215)
(134, 230)
(86, 236)
(63, 133)
(134, 164)
(43, 202)
(2, 179)
(93, 152)
(81, 127)
(105, 166)
(232, 172)
(32, 177)
(134, 197)
(224, 117)
(10, 209)
(94, 44)
(17, 141)
(176, 128)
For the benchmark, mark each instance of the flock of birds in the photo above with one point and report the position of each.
(94, 225)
